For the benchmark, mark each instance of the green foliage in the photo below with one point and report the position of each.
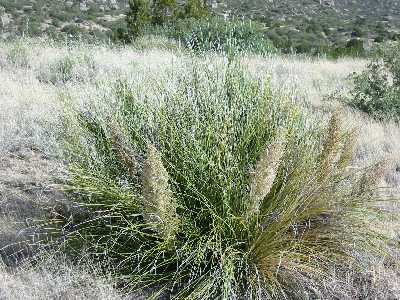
(354, 48)
(356, 44)
(357, 32)
(72, 30)
(214, 188)
(164, 11)
(219, 35)
(196, 9)
(58, 19)
(308, 40)
(377, 89)
(138, 17)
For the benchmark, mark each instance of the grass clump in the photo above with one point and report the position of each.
(62, 70)
(377, 89)
(18, 55)
(70, 68)
(215, 188)
(156, 42)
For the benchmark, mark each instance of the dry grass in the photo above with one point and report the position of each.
(30, 151)
(56, 279)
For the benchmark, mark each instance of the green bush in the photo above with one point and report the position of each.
(211, 187)
(72, 30)
(353, 48)
(377, 89)
(309, 40)
(164, 11)
(219, 35)
(357, 32)
(196, 9)
(137, 18)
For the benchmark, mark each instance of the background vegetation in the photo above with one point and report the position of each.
(377, 90)
(347, 29)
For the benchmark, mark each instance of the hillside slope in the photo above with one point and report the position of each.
(373, 10)
(35, 17)
(318, 20)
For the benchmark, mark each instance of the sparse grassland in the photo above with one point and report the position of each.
(144, 125)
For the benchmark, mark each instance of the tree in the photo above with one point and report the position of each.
(138, 17)
(164, 11)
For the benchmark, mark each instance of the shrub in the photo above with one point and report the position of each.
(196, 9)
(120, 34)
(219, 35)
(164, 11)
(138, 17)
(72, 29)
(377, 89)
(215, 189)
(353, 48)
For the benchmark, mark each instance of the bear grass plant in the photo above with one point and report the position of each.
(215, 188)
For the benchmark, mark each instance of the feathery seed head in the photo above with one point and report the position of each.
(347, 150)
(263, 176)
(159, 204)
(124, 152)
(331, 147)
